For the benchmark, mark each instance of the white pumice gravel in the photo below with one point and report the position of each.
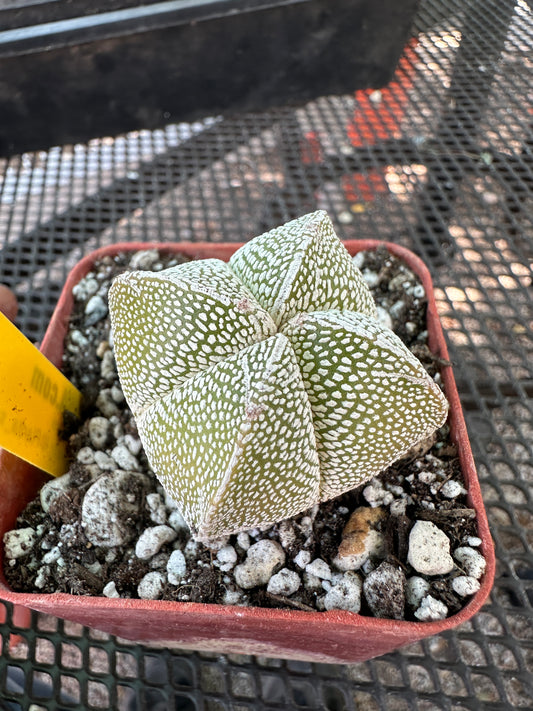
(110, 590)
(319, 568)
(20, 542)
(52, 489)
(99, 431)
(465, 585)
(471, 561)
(429, 549)
(431, 610)
(124, 458)
(152, 540)
(151, 586)
(226, 558)
(346, 594)
(263, 559)
(110, 508)
(302, 559)
(286, 582)
(416, 589)
(176, 567)
(384, 591)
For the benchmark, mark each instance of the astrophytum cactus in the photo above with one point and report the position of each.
(264, 386)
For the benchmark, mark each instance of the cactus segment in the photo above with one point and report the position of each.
(302, 266)
(210, 441)
(169, 325)
(372, 400)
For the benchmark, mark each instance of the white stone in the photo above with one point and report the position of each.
(427, 477)
(84, 288)
(176, 567)
(429, 549)
(474, 541)
(152, 540)
(232, 597)
(104, 462)
(451, 489)
(145, 259)
(416, 589)
(176, 520)
(312, 582)
(106, 404)
(85, 455)
(262, 560)
(471, 561)
(111, 508)
(319, 568)
(95, 309)
(157, 508)
(52, 556)
(302, 559)
(226, 558)
(286, 582)
(52, 489)
(134, 444)
(465, 585)
(110, 590)
(243, 540)
(346, 594)
(151, 586)
(107, 367)
(431, 610)
(376, 495)
(124, 458)
(19, 543)
(99, 431)
(384, 590)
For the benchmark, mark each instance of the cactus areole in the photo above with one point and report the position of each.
(265, 385)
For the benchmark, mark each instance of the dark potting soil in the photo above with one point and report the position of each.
(146, 548)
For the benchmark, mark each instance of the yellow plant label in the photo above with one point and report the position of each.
(34, 396)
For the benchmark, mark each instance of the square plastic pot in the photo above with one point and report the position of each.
(334, 636)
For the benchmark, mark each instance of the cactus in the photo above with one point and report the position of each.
(264, 386)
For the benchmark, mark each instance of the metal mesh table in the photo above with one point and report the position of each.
(440, 160)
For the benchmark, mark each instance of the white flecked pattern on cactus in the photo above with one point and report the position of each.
(371, 399)
(266, 386)
(169, 325)
(302, 266)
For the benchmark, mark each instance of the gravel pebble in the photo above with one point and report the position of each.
(176, 567)
(52, 489)
(20, 542)
(471, 561)
(429, 549)
(110, 590)
(360, 539)
(124, 458)
(226, 558)
(452, 489)
(111, 507)
(384, 590)
(416, 588)
(152, 540)
(95, 310)
(302, 559)
(157, 508)
(346, 594)
(99, 430)
(431, 609)
(319, 568)
(465, 585)
(151, 586)
(286, 582)
(262, 560)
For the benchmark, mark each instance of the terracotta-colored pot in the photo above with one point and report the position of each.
(335, 636)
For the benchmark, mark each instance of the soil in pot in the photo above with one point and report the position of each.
(402, 546)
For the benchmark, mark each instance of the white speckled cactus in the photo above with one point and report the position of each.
(267, 385)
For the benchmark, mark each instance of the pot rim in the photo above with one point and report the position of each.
(53, 349)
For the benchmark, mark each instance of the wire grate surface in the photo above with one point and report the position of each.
(440, 160)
